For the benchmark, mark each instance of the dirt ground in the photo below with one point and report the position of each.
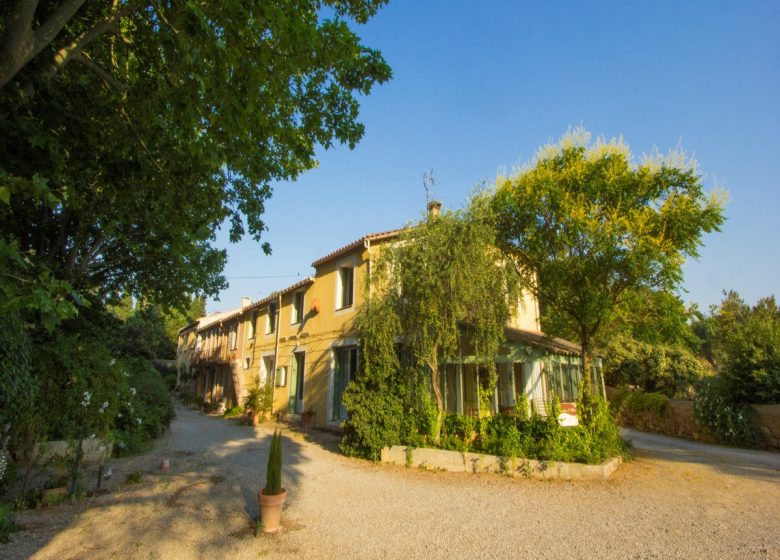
(676, 499)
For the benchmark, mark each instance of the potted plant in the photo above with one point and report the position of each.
(308, 417)
(271, 498)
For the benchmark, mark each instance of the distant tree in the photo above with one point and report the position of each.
(743, 342)
(596, 227)
(133, 130)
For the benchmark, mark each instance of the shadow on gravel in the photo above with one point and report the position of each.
(756, 465)
(206, 506)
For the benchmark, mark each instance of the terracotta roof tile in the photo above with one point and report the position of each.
(357, 243)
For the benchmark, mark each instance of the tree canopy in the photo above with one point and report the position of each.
(133, 130)
(597, 227)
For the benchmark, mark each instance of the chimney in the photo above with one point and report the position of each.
(245, 301)
(434, 207)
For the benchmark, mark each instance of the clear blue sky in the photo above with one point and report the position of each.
(479, 86)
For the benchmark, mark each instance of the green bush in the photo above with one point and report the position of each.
(146, 410)
(729, 422)
(7, 525)
(374, 421)
(234, 412)
(15, 378)
(655, 368)
(258, 400)
(594, 440)
(638, 402)
(458, 432)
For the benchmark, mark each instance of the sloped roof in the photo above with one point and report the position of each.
(272, 295)
(358, 242)
(541, 340)
(210, 320)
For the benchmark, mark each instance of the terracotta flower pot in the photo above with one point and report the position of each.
(271, 510)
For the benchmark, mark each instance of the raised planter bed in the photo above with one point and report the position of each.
(457, 461)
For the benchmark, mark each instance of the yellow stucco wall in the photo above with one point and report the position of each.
(317, 334)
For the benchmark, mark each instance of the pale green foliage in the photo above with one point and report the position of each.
(594, 225)
(450, 284)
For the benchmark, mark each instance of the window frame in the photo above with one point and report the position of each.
(270, 325)
(346, 298)
(297, 308)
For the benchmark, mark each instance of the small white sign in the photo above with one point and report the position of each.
(565, 419)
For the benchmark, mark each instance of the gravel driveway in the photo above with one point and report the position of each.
(675, 500)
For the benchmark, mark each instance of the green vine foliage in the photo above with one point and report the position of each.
(375, 397)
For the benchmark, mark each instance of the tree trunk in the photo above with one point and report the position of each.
(584, 348)
(21, 44)
(433, 365)
(74, 474)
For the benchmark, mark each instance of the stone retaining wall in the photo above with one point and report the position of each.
(679, 421)
(95, 450)
(456, 461)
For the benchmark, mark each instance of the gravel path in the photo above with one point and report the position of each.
(675, 500)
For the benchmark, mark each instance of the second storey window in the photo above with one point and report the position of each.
(270, 325)
(233, 337)
(297, 308)
(250, 331)
(346, 287)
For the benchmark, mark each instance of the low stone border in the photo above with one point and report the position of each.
(95, 450)
(456, 461)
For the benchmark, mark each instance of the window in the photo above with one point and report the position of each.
(250, 331)
(295, 405)
(297, 307)
(281, 376)
(233, 337)
(247, 362)
(346, 367)
(270, 325)
(506, 390)
(346, 287)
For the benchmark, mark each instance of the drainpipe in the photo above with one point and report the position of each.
(367, 245)
(276, 345)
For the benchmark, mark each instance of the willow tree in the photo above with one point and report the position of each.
(442, 286)
(596, 227)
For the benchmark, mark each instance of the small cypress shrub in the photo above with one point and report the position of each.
(273, 476)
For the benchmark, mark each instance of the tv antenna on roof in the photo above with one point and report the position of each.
(428, 183)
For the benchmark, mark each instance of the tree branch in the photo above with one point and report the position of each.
(21, 44)
(65, 54)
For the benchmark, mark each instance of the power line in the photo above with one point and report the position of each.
(258, 277)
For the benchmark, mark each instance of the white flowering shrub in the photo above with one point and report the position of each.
(146, 408)
(729, 422)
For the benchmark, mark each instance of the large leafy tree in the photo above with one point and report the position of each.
(596, 228)
(132, 130)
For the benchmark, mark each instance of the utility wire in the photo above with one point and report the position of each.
(278, 276)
